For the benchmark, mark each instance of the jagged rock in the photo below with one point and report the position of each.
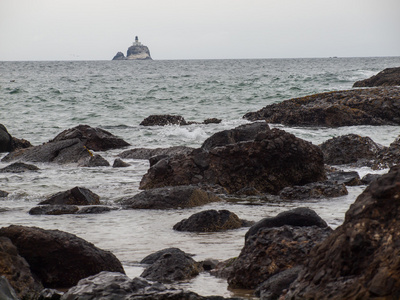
(3, 194)
(349, 178)
(95, 139)
(314, 190)
(272, 288)
(18, 167)
(247, 132)
(115, 286)
(163, 120)
(53, 210)
(146, 153)
(75, 196)
(95, 161)
(57, 258)
(300, 217)
(119, 163)
(387, 77)
(209, 221)
(375, 106)
(172, 266)
(349, 148)
(15, 271)
(273, 250)
(119, 56)
(360, 259)
(169, 197)
(274, 160)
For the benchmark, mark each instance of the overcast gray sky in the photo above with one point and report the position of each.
(198, 29)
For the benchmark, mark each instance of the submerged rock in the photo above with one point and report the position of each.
(374, 106)
(59, 259)
(360, 259)
(18, 167)
(387, 77)
(75, 196)
(53, 210)
(3, 194)
(169, 197)
(147, 153)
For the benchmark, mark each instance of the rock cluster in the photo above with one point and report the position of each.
(334, 109)
(387, 77)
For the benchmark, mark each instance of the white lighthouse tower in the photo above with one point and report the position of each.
(136, 42)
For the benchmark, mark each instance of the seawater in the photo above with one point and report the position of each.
(38, 100)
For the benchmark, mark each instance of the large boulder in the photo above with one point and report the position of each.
(274, 160)
(59, 259)
(169, 197)
(172, 266)
(387, 77)
(375, 106)
(360, 259)
(273, 250)
(75, 196)
(95, 139)
(350, 148)
(210, 221)
(16, 270)
(241, 133)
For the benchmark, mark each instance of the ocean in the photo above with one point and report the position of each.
(38, 100)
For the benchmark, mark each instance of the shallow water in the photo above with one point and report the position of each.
(48, 97)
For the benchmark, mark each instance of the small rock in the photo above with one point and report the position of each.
(119, 163)
(3, 194)
(367, 179)
(50, 294)
(95, 161)
(74, 196)
(94, 209)
(212, 121)
(314, 190)
(18, 167)
(163, 120)
(53, 210)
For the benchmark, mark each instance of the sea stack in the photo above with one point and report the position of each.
(135, 52)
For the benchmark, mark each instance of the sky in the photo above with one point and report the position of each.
(198, 29)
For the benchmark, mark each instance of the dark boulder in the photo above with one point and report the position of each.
(209, 221)
(152, 258)
(212, 121)
(95, 139)
(75, 196)
(9, 143)
(59, 259)
(18, 167)
(313, 190)
(273, 250)
(169, 197)
(53, 210)
(387, 77)
(172, 266)
(300, 217)
(274, 160)
(94, 209)
(367, 179)
(247, 132)
(388, 157)
(3, 194)
(146, 153)
(375, 106)
(273, 288)
(360, 259)
(163, 120)
(349, 178)
(119, 163)
(15, 271)
(349, 148)
(119, 56)
(95, 160)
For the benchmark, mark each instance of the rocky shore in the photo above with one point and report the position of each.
(292, 255)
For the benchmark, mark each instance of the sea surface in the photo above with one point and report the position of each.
(38, 100)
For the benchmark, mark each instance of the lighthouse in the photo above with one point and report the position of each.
(137, 43)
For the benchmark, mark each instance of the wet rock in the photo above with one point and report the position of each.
(273, 250)
(53, 210)
(209, 221)
(146, 153)
(275, 285)
(94, 209)
(212, 121)
(95, 139)
(152, 258)
(387, 77)
(3, 194)
(18, 167)
(169, 197)
(360, 259)
(15, 271)
(209, 264)
(274, 160)
(20, 144)
(349, 148)
(5, 140)
(349, 178)
(388, 157)
(224, 268)
(314, 190)
(172, 266)
(95, 161)
(50, 294)
(163, 120)
(119, 163)
(241, 133)
(301, 217)
(57, 258)
(374, 106)
(75, 196)
(367, 179)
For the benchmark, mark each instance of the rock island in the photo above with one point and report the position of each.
(136, 52)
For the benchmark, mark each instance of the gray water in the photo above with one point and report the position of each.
(38, 100)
